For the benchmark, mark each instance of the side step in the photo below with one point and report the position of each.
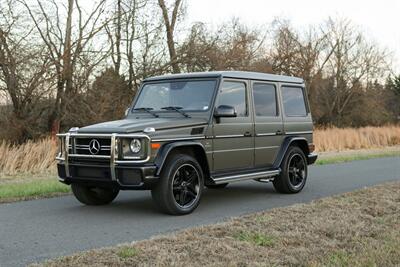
(246, 176)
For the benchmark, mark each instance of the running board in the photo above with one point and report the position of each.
(247, 176)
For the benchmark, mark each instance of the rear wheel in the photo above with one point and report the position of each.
(94, 195)
(294, 172)
(181, 185)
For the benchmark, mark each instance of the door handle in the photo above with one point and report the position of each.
(247, 134)
(279, 132)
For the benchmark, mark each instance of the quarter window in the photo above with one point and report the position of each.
(293, 101)
(265, 99)
(234, 94)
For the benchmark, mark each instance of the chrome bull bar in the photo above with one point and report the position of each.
(65, 156)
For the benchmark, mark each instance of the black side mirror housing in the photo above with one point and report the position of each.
(225, 111)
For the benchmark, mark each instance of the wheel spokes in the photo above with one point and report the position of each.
(296, 170)
(185, 185)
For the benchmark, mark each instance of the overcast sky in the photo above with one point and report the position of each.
(380, 20)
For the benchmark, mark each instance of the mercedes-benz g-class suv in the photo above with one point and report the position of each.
(186, 131)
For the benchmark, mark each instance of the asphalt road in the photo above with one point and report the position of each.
(33, 231)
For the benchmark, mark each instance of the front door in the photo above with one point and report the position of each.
(233, 141)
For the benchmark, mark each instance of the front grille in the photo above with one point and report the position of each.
(81, 146)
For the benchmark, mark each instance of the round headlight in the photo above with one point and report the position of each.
(135, 145)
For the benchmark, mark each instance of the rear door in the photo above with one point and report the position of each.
(268, 122)
(233, 141)
(297, 115)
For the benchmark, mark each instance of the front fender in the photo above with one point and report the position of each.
(166, 149)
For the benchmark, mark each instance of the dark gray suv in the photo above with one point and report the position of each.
(187, 131)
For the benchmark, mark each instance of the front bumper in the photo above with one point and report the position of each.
(126, 177)
(311, 158)
(104, 170)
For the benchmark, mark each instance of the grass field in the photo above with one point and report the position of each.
(340, 139)
(31, 189)
(356, 155)
(31, 158)
(360, 228)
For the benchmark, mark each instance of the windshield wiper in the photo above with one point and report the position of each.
(148, 110)
(177, 109)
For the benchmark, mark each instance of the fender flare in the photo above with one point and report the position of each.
(285, 146)
(165, 150)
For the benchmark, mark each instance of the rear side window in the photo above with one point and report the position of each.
(265, 99)
(234, 94)
(293, 101)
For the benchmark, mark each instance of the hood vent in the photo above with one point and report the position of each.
(198, 130)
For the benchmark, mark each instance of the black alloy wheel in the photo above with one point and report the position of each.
(186, 185)
(180, 186)
(297, 170)
(293, 176)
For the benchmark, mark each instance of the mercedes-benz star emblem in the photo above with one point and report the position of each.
(94, 147)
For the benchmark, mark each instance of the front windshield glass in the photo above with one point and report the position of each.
(185, 95)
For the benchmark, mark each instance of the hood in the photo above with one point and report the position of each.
(132, 125)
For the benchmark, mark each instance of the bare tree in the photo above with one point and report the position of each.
(114, 32)
(170, 23)
(23, 69)
(232, 47)
(65, 50)
(354, 63)
(137, 47)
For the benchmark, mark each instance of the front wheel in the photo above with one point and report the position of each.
(180, 187)
(294, 172)
(94, 195)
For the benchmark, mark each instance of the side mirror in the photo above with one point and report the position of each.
(225, 111)
(127, 111)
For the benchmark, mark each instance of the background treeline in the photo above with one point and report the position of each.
(69, 63)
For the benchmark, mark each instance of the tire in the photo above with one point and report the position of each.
(94, 196)
(216, 186)
(180, 187)
(294, 172)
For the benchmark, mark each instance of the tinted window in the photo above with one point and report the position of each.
(265, 99)
(293, 101)
(190, 95)
(234, 94)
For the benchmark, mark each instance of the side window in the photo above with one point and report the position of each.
(234, 94)
(293, 101)
(265, 99)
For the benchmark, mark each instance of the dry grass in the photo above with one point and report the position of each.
(337, 139)
(30, 158)
(360, 228)
(37, 158)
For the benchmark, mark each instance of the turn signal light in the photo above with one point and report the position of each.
(155, 145)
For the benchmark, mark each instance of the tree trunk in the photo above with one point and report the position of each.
(170, 27)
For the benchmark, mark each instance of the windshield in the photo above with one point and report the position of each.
(184, 95)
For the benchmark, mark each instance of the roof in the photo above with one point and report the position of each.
(229, 74)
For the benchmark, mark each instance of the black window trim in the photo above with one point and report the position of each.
(278, 114)
(305, 99)
(245, 82)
